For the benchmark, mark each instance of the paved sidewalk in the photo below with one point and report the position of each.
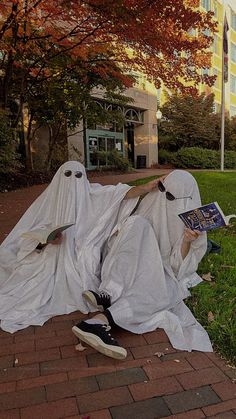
(43, 376)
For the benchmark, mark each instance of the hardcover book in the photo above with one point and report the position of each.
(206, 217)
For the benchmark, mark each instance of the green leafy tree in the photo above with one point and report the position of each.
(9, 159)
(61, 102)
(232, 137)
(189, 121)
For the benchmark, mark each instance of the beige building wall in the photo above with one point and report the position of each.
(76, 144)
(145, 136)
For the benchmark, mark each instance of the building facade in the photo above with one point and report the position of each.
(220, 9)
(137, 140)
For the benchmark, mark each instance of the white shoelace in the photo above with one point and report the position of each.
(107, 327)
(104, 294)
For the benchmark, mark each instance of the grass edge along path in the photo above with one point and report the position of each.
(213, 302)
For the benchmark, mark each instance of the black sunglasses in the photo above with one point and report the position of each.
(68, 173)
(169, 195)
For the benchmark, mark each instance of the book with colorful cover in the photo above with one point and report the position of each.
(46, 235)
(206, 217)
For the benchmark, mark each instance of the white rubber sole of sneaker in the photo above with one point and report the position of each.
(89, 297)
(115, 352)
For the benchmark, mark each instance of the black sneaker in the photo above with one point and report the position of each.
(101, 301)
(98, 336)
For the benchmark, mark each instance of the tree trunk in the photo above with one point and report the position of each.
(85, 143)
(27, 129)
(57, 138)
(52, 141)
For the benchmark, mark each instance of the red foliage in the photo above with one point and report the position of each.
(101, 33)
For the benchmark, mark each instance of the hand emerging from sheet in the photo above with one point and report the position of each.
(191, 235)
(188, 237)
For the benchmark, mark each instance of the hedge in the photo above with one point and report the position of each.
(197, 158)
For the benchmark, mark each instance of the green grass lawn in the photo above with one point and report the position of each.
(218, 297)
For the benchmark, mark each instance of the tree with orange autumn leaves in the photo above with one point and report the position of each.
(44, 42)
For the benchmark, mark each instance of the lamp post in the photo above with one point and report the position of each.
(158, 118)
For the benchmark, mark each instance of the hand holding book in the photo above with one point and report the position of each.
(191, 235)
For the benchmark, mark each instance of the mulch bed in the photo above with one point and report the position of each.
(13, 181)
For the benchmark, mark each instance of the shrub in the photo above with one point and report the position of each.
(118, 161)
(230, 160)
(197, 158)
(167, 157)
(8, 156)
(112, 159)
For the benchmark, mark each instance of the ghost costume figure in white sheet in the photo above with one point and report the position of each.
(144, 271)
(36, 286)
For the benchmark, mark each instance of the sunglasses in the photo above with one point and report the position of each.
(68, 173)
(169, 195)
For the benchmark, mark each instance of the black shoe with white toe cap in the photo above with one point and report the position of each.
(98, 336)
(100, 300)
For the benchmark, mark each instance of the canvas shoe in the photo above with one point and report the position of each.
(98, 336)
(101, 300)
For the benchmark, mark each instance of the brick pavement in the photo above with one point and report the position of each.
(43, 376)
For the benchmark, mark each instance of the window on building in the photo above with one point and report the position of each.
(216, 107)
(217, 81)
(233, 52)
(192, 32)
(215, 8)
(206, 4)
(132, 115)
(159, 96)
(216, 44)
(233, 84)
(232, 111)
(205, 72)
(207, 32)
(233, 20)
(139, 80)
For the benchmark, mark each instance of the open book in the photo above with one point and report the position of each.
(206, 217)
(45, 235)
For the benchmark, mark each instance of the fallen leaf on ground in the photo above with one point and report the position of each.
(207, 277)
(210, 316)
(159, 354)
(80, 347)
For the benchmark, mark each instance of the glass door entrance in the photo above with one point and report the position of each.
(99, 144)
(105, 144)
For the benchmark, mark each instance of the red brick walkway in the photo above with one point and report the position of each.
(43, 376)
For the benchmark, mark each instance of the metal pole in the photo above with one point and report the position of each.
(222, 133)
(157, 145)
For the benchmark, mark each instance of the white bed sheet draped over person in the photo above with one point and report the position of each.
(144, 271)
(36, 286)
